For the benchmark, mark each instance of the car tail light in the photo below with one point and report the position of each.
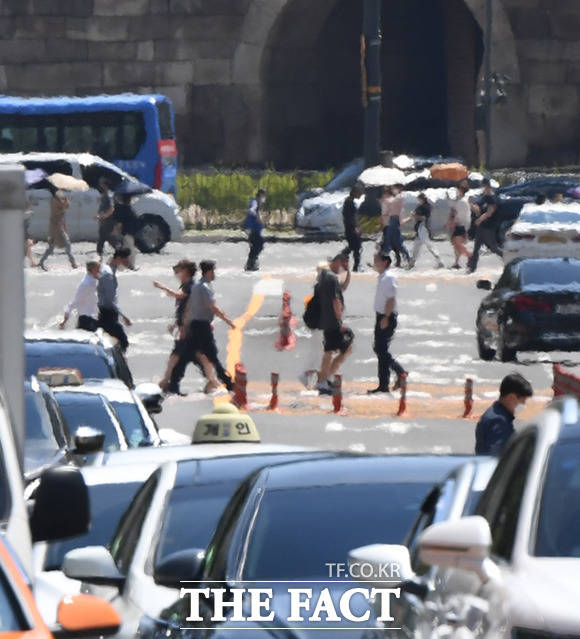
(523, 303)
(521, 236)
(158, 179)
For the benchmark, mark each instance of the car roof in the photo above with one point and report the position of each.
(72, 336)
(116, 391)
(160, 454)
(371, 469)
(235, 467)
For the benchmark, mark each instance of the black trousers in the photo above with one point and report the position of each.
(106, 227)
(109, 322)
(383, 337)
(354, 242)
(256, 246)
(487, 237)
(200, 339)
(87, 323)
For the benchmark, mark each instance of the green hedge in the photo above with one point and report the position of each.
(228, 192)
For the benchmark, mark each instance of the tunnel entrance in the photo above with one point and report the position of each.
(431, 55)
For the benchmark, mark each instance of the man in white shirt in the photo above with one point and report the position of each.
(459, 223)
(385, 325)
(85, 300)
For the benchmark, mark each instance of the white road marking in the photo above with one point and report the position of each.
(333, 427)
(269, 287)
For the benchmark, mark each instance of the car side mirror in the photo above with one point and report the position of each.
(185, 565)
(152, 397)
(463, 543)
(484, 285)
(377, 563)
(88, 440)
(84, 614)
(61, 505)
(93, 564)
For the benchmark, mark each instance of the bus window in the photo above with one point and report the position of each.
(77, 138)
(133, 135)
(49, 134)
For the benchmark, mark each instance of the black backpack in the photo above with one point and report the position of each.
(311, 315)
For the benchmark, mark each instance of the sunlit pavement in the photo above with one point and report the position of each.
(435, 342)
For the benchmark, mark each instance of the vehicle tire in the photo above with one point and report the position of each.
(153, 233)
(504, 353)
(485, 353)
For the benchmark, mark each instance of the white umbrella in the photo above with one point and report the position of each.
(67, 182)
(381, 176)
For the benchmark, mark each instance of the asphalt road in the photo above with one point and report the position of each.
(435, 341)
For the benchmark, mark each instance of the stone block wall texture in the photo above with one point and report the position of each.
(208, 56)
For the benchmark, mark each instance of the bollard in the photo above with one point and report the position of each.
(274, 378)
(337, 393)
(468, 401)
(240, 398)
(403, 398)
(287, 339)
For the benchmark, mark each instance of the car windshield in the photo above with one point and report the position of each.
(550, 217)
(89, 359)
(559, 519)
(282, 544)
(86, 409)
(132, 423)
(40, 445)
(108, 503)
(180, 529)
(550, 272)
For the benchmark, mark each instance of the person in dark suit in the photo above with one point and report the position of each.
(496, 425)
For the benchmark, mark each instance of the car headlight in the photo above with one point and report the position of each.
(526, 633)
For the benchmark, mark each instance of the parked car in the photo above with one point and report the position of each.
(155, 540)
(547, 230)
(287, 523)
(535, 306)
(91, 355)
(77, 616)
(158, 213)
(454, 497)
(511, 570)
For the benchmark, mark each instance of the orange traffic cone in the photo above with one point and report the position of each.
(240, 398)
(274, 378)
(403, 398)
(468, 401)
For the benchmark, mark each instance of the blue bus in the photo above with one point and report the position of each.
(135, 132)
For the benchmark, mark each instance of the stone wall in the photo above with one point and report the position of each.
(208, 56)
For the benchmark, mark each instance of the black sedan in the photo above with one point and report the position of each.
(292, 526)
(535, 306)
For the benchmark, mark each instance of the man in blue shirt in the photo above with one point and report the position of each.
(496, 425)
(109, 311)
(254, 226)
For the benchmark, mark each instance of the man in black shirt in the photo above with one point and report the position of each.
(352, 229)
(487, 225)
(185, 272)
(496, 425)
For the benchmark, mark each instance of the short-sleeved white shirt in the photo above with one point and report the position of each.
(462, 212)
(386, 288)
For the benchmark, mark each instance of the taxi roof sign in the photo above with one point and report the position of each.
(225, 424)
(59, 376)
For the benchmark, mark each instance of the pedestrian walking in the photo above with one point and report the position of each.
(254, 226)
(107, 298)
(57, 234)
(352, 229)
(423, 231)
(85, 300)
(487, 226)
(201, 345)
(496, 425)
(392, 206)
(337, 337)
(184, 271)
(385, 325)
(458, 224)
(126, 223)
(105, 217)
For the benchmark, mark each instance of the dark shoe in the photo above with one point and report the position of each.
(375, 391)
(456, 266)
(399, 383)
